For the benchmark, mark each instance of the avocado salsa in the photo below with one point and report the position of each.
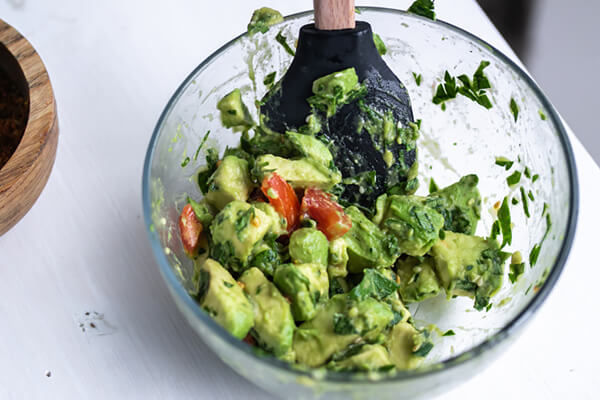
(288, 263)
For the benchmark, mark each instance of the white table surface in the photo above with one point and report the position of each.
(83, 249)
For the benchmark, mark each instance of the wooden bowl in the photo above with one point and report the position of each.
(24, 176)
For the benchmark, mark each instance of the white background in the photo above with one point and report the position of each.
(83, 248)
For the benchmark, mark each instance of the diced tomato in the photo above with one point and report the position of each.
(190, 229)
(330, 216)
(283, 198)
(250, 340)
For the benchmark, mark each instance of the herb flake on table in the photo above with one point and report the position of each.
(445, 91)
(504, 162)
(514, 178)
(269, 79)
(424, 8)
(475, 89)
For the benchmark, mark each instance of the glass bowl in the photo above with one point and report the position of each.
(465, 138)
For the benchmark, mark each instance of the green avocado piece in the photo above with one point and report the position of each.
(310, 147)
(333, 90)
(469, 266)
(367, 245)
(338, 258)
(231, 181)
(235, 230)
(417, 279)
(273, 322)
(416, 225)
(300, 174)
(262, 19)
(403, 342)
(279, 225)
(337, 324)
(361, 357)
(221, 297)
(459, 204)
(234, 112)
(309, 245)
(305, 285)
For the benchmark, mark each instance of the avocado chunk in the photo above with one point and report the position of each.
(406, 346)
(377, 284)
(459, 204)
(235, 231)
(367, 245)
(416, 225)
(231, 181)
(279, 225)
(300, 174)
(305, 285)
(337, 324)
(234, 113)
(469, 266)
(361, 357)
(262, 19)
(310, 147)
(309, 245)
(333, 90)
(418, 281)
(273, 322)
(338, 258)
(221, 297)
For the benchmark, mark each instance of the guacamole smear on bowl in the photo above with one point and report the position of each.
(289, 260)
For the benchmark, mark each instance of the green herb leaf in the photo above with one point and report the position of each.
(445, 91)
(525, 202)
(514, 178)
(381, 48)
(449, 332)
(516, 270)
(374, 284)
(534, 254)
(481, 302)
(283, 41)
(495, 230)
(504, 162)
(530, 195)
(424, 8)
(185, 162)
(242, 221)
(424, 349)
(535, 178)
(433, 187)
(269, 79)
(475, 89)
(514, 108)
(527, 172)
(542, 115)
(201, 145)
(418, 78)
(342, 325)
(505, 222)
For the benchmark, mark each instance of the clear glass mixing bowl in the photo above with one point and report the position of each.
(464, 139)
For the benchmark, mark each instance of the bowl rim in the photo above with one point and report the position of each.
(507, 330)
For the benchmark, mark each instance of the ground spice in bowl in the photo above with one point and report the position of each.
(14, 108)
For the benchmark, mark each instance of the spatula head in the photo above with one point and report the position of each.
(358, 144)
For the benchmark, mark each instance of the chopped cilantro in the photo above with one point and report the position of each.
(481, 302)
(535, 178)
(475, 89)
(525, 202)
(269, 79)
(514, 178)
(445, 91)
(495, 230)
(489, 306)
(433, 187)
(342, 325)
(514, 108)
(535, 253)
(212, 156)
(357, 10)
(505, 223)
(418, 78)
(283, 41)
(227, 284)
(528, 289)
(527, 172)
(423, 350)
(381, 49)
(515, 201)
(504, 162)
(374, 284)
(201, 145)
(449, 332)
(542, 115)
(185, 162)
(242, 221)
(530, 195)
(424, 8)
(516, 270)
(262, 19)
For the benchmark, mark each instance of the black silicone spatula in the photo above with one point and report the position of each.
(333, 43)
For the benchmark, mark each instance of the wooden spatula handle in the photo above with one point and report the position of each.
(332, 15)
